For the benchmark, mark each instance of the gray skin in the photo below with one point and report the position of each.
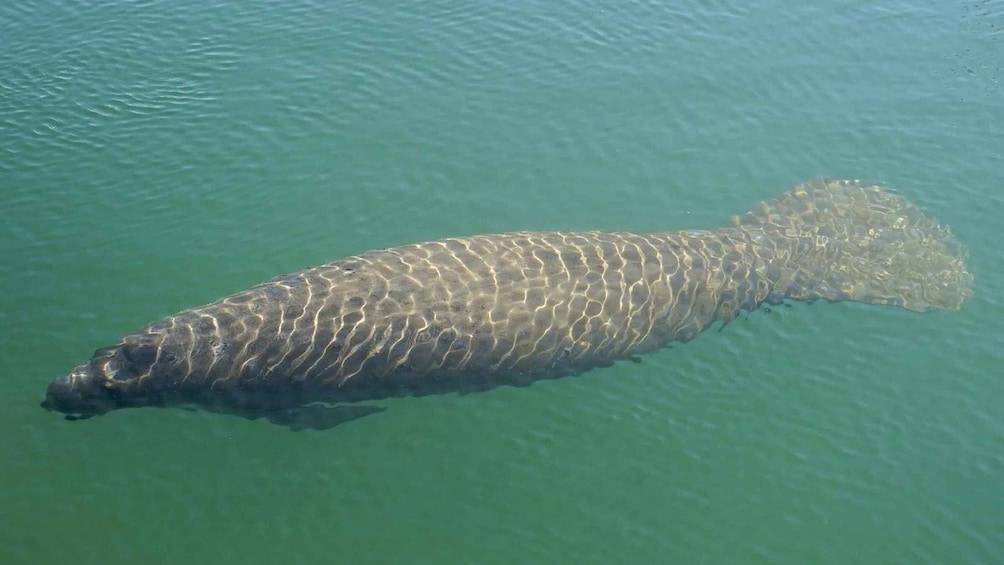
(472, 313)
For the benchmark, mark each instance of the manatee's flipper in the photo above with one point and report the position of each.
(843, 240)
(319, 416)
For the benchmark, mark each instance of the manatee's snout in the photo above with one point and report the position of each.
(79, 395)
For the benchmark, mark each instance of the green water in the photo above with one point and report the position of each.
(157, 155)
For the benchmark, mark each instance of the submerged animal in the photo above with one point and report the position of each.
(471, 313)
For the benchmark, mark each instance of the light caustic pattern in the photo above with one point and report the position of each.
(472, 313)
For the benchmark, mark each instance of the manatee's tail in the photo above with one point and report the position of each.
(843, 240)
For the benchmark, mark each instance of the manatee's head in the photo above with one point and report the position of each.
(110, 380)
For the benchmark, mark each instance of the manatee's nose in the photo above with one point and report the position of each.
(59, 388)
(78, 396)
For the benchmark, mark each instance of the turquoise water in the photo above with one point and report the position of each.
(157, 155)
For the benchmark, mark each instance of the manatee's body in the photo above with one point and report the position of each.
(476, 312)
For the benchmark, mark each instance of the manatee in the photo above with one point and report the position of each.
(467, 314)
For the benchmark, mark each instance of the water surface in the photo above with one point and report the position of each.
(158, 155)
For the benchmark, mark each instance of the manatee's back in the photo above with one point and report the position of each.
(457, 314)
